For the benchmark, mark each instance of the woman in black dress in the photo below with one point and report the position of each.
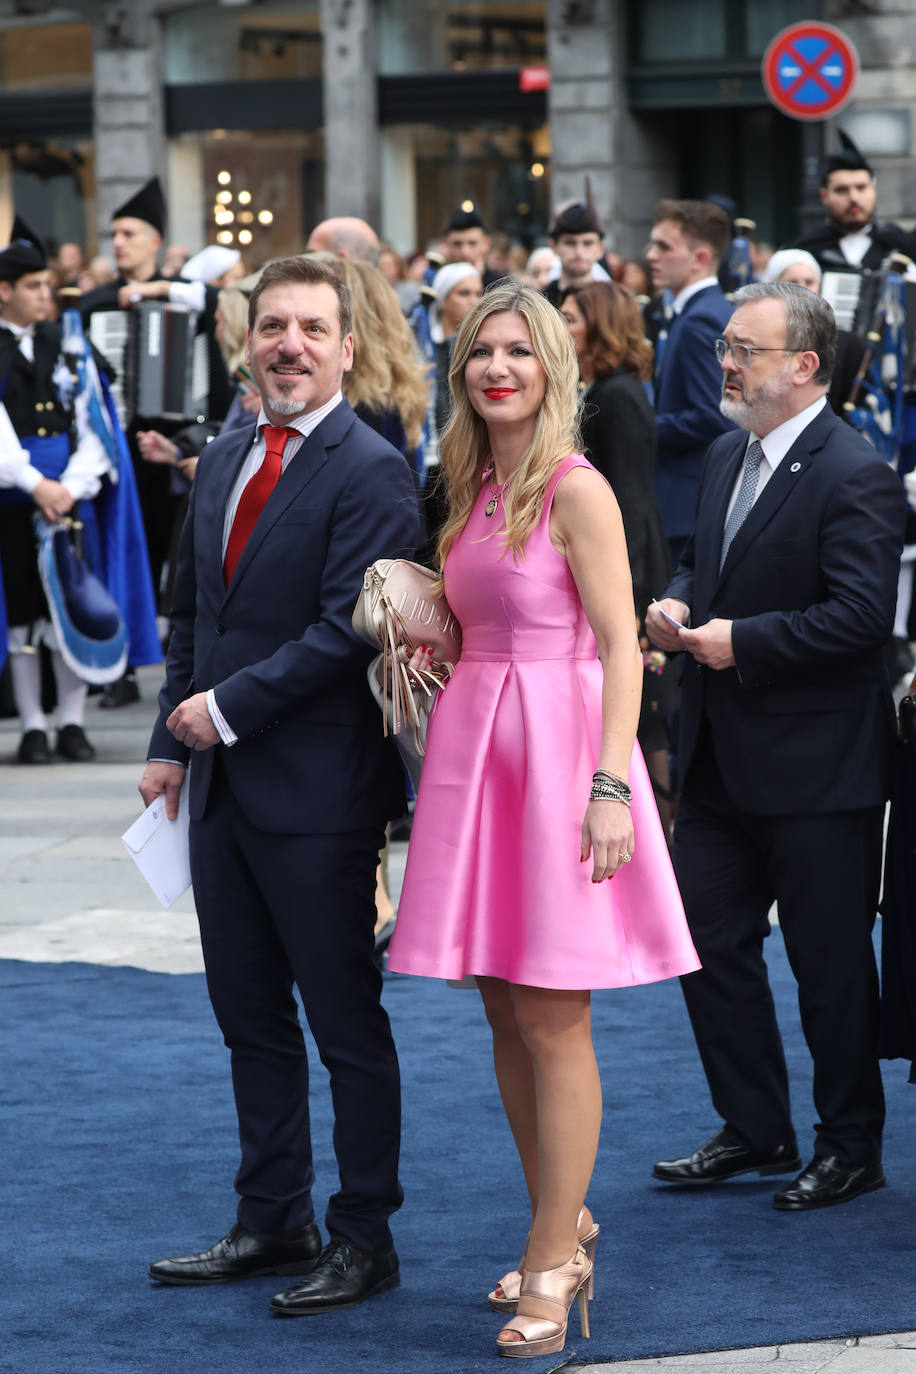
(618, 434)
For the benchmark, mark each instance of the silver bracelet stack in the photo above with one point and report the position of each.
(608, 787)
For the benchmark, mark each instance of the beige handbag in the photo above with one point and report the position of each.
(397, 612)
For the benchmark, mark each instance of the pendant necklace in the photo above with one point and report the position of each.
(496, 492)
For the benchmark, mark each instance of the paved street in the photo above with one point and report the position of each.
(70, 892)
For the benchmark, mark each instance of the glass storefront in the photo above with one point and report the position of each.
(505, 170)
(258, 192)
(47, 162)
(52, 186)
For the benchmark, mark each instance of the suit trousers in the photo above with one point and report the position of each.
(277, 910)
(824, 873)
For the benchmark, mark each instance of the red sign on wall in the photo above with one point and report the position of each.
(534, 78)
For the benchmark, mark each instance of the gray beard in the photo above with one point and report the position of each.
(767, 410)
(283, 405)
(737, 411)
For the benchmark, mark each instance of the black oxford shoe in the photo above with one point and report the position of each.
(827, 1180)
(725, 1157)
(342, 1278)
(33, 748)
(73, 745)
(241, 1255)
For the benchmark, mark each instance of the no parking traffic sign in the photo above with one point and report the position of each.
(809, 70)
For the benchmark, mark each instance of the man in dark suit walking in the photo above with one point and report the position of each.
(789, 585)
(688, 240)
(291, 784)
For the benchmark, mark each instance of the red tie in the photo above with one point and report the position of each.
(254, 497)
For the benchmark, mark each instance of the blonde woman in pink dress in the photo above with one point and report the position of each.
(537, 860)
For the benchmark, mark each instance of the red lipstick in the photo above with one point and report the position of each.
(498, 393)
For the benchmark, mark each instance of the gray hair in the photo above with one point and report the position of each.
(810, 321)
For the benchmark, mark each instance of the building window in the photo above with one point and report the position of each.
(274, 42)
(45, 56)
(417, 36)
(670, 31)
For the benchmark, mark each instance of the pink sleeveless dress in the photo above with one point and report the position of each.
(494, 884)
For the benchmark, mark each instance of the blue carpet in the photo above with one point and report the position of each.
(118, 1146)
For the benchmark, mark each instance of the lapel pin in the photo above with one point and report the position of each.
(796, 467)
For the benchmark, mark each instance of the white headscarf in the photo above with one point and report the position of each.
(789, 257)
(444, 282)
(210, 263)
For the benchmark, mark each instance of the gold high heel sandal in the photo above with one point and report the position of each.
(504, 1297)
(557, 1288)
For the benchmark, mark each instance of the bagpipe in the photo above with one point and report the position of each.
(879, 405)
(740, 259)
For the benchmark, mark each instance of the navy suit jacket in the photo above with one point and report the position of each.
(805, 722)
(277, 645)
(688, 386)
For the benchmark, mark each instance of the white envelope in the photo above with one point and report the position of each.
(159, 848)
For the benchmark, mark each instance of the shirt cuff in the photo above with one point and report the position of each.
(27, 478)
(222, 726)
(190, 293)
(177, 762)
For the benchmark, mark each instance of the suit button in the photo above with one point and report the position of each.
(220, 628)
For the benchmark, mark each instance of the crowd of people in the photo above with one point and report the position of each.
(677, 573)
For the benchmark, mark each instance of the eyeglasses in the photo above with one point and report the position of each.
(743, 354)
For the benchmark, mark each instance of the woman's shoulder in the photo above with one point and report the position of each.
(574, 473)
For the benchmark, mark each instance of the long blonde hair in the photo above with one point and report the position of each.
(233, 306)
(465, 447)
(387, 372)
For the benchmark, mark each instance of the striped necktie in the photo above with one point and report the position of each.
(744, 500)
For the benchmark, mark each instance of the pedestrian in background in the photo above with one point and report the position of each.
(688, 241)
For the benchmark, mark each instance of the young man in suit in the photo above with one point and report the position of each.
(789, 585)
(290, 789)
(688, 241)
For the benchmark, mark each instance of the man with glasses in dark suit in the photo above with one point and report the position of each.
(788, 587)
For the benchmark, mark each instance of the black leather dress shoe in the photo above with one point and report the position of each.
(121, 693)
(33, 748)
(72, 744)
(342, 1278)
(725, 1157)
(241, 1255)
(827, 1180)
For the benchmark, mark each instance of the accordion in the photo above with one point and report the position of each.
(160, 360)
(854, 297)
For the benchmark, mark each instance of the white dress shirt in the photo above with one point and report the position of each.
(683, 296)
(854, 246)
(775, 446)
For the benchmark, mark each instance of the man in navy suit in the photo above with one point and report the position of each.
(291, 784)
(688, 241)
(789, 585)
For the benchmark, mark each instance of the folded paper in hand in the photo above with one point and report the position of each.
(159, 848)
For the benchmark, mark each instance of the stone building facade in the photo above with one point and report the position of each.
(396, 110)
